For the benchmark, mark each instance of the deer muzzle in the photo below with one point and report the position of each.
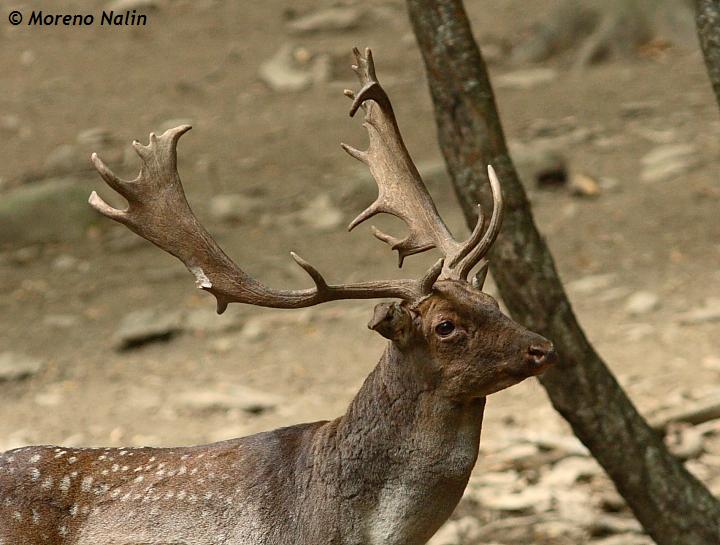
(539, 356)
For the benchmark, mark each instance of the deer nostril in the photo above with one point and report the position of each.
(539, 355)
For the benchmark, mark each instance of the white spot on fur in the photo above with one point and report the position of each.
(35, 459)
(65, 484)
(87, 484)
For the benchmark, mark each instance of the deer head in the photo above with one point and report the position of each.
(477, 350)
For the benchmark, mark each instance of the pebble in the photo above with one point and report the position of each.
(525, 79)
(63, 201)
(321, 214)
(333, 19)
(533, 499)
(145, 326)
(544, 166)
(14, 366)
(460, 531)
(623, 539)
(127, 5)
(65, 159)
(95, 137)
(667, 162)
(684, 441)
(582, 185)
(281, 74)
(709, 312)
(642, 302)
(711, 362)
(61, 321)
(237, 397)
(234, 207)
(591, 284)
(569, 471)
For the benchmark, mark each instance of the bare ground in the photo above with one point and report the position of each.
(62, 302)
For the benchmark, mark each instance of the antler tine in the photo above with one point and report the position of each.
(159, 212)
(401, 191)
(472, 240)
(483, 246)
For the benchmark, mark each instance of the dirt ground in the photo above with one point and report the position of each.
(62, 302)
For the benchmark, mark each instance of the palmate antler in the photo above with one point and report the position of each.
(402, 192)
(159, 212)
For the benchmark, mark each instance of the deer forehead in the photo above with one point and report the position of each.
(453, 299)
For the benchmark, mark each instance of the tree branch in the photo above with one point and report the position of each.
(707, 18)
(672, 505)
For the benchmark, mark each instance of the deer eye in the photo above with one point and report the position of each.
(444, 328)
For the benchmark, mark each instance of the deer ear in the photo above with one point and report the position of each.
(393, 321)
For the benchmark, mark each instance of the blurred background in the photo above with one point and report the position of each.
(104, 340)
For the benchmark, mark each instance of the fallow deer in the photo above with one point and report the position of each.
(389, 471)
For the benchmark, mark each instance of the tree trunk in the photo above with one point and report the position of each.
(672, 505)
(708, 27)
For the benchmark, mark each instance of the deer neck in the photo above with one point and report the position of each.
(399, 426)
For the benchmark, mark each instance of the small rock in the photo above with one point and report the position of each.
(10, 123)
(612, 502)
(127, 5)
(281, 74)
(711, 362)
(533, 499)
(254, 329)
(570, 470)
(667, 162)
(334, 19)
(65, 262)
(223, 345)
(31, 213)
(525, 79)
(638, 108)
(582, 185)
(234, 207)
(623, 539)
(49, 398)
(321, 214)
(574, 505)
(463, 531)
(591, 284)
(26, 255)
(605, 524)
(27, 57)
(65, 159)
(684, 441)
(146, 326)
(642, 302)
(567, 444)
(96, 137)
(61, 321)
(15, 366)
(545, 167)
(237, 397)
(710, 312)
(518, 454)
